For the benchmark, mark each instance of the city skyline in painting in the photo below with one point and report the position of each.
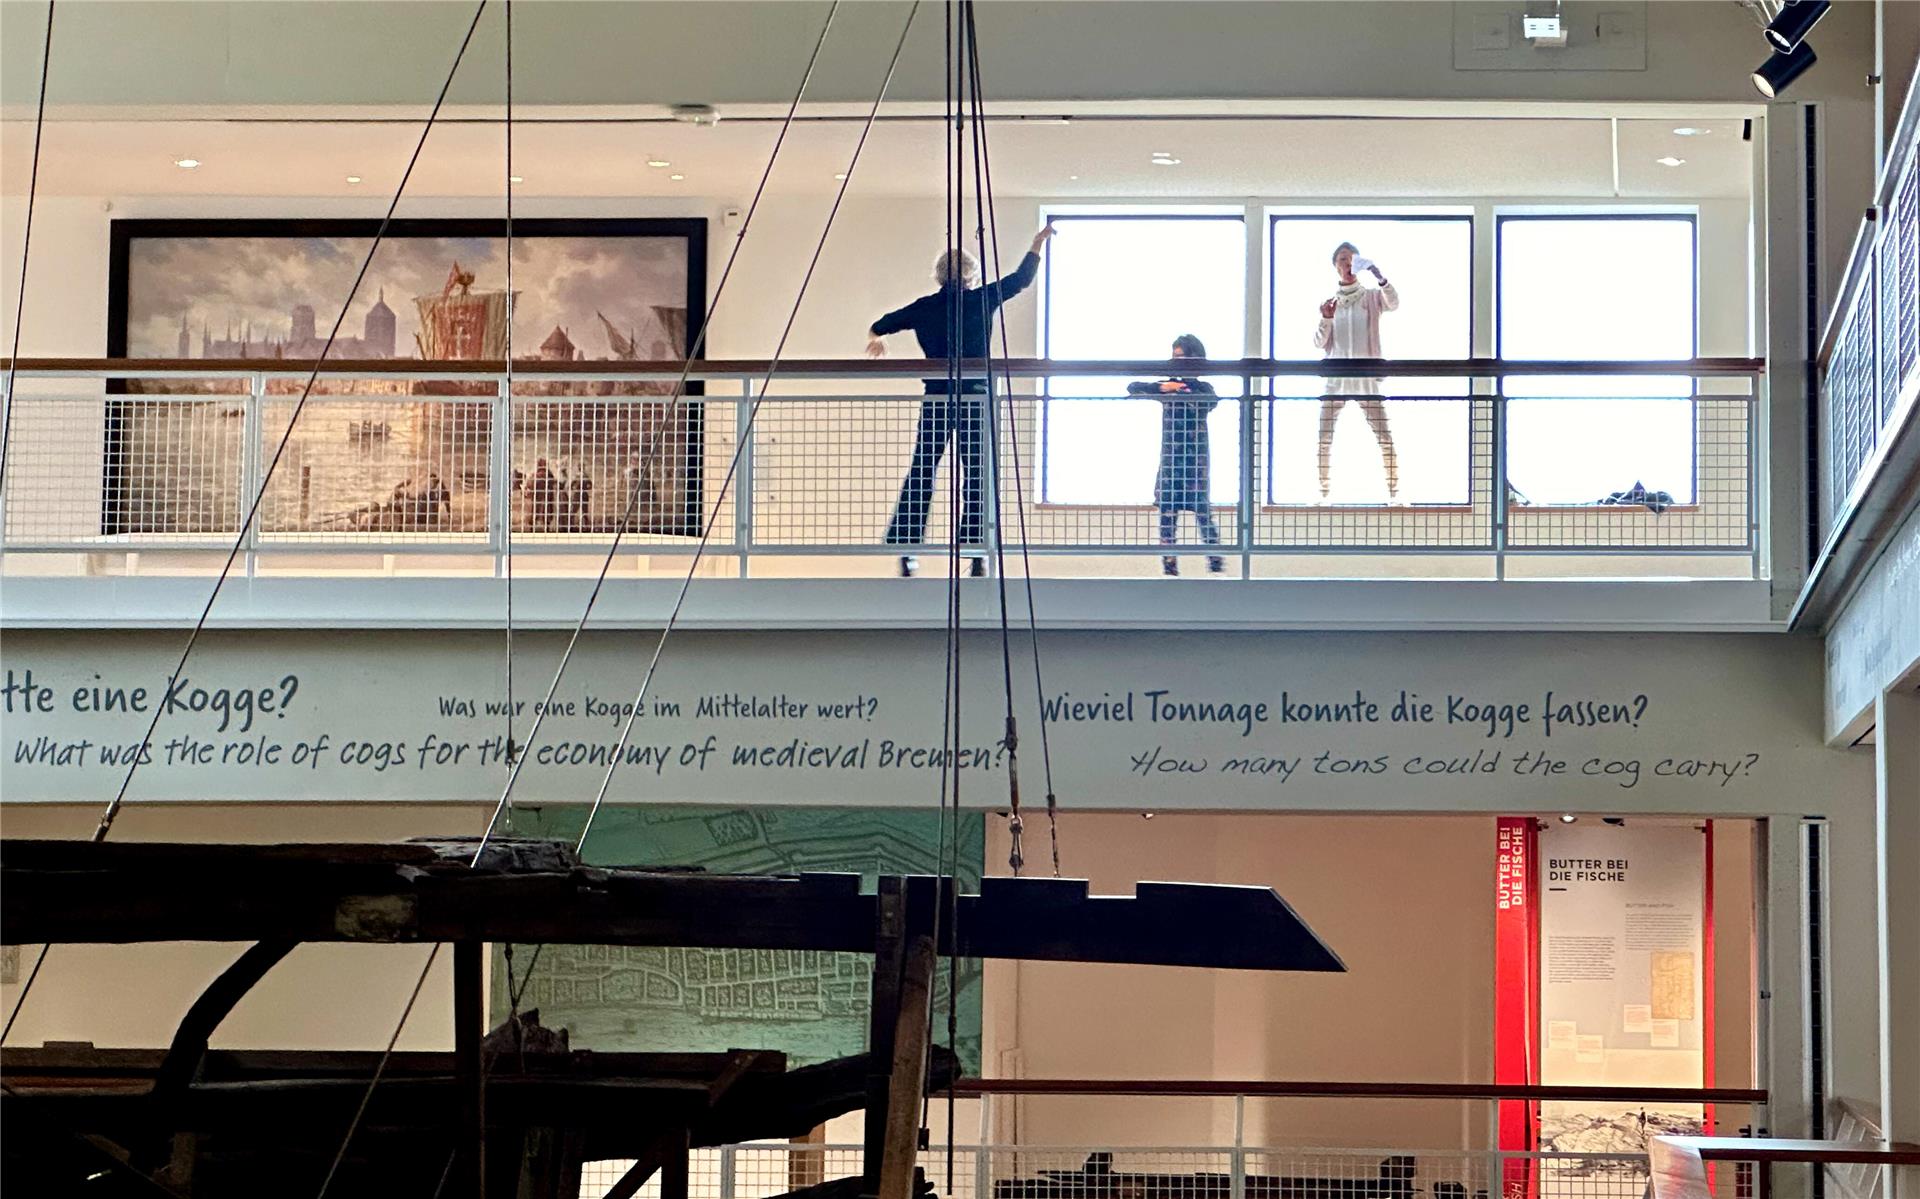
(196, 290)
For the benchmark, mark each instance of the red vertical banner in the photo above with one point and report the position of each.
(1707, 1078)
(1516, 992)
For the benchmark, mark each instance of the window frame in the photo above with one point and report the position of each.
(1691, 215)
(1045, 396)
(1372, 213)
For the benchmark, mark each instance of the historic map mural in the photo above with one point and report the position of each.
(811, 1005)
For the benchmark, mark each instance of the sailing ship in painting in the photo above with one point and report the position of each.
(411, 459)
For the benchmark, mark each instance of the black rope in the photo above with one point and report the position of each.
(26, 256)
(1020, 509)
(112, 811)
(506, 406)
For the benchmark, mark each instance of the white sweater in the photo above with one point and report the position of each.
(1353, 331)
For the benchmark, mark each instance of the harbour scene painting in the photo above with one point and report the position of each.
(405, 456)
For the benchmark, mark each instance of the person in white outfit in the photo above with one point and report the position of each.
(1350, 328)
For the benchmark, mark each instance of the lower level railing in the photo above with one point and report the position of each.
(761, 1171)
(449, 467)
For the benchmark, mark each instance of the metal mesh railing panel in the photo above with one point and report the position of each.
(830, 471)
(1438, 452)
(764, 1170)
(405, 470)
(1122, 473)
(161, 471)
(1714, 513)
(578, 465)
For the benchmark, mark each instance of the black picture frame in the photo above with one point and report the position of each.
(124, 234)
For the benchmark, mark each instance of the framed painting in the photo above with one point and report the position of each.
(404, 458)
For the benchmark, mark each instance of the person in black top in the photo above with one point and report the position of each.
(1182, 484)
(932, 319)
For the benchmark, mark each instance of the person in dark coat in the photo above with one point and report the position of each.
(931, 319)
(1182, 483)
(539, 492)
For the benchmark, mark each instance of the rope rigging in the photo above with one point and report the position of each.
(112, 811)
(26, 247)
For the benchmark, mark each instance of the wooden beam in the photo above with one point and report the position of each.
(901, 1142)
(469, 1029)
(86, 893)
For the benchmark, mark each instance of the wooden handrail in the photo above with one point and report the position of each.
(1266, 1089)
(902, 368)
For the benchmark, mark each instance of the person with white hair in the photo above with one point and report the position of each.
(933, 318)
(1350, 328)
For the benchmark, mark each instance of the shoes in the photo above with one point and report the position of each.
(1216, 565)
(1170, 567)
(910, 566)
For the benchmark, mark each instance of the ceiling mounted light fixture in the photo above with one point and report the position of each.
(353, 178)
(1671, 161)
(1691, 131)
(676, 178)
(1568, 818)
(186, 164)
(515, 179)
(1790, 25)
(658, 163)
(1778, 73)
(1163, 159)
(705, 115)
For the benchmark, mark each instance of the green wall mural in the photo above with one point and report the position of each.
(811, 1005)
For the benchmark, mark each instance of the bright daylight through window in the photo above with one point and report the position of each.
(1429, 262)
(1125, 287)
(1605, 288)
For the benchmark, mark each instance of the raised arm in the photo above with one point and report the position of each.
(1002, 290)
(1388, 299)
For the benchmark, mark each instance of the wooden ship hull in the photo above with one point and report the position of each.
(517, 1112)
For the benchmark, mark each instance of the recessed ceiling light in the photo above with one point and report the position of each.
(1568, 818)
(186, 164)
(676, 178)
(353, 178)
(840, 175)
(658, 163)
(515, 179)
(1671, 161)
(1166, 162)
(1692, 131)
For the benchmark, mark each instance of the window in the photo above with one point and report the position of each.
(1124, 286)
(1598, 287)
(1429, 261)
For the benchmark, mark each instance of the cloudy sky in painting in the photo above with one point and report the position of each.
(217, 281)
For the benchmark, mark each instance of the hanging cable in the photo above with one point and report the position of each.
(112, 811)
(13, 364)
(506, 406)
(379, 1072)
(733, 464)
(1020, 509)
(693, 352)
(26, 254)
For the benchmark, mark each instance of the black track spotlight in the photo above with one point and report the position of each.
(1775, 75)
(1789, 27)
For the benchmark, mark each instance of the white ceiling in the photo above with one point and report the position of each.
(1222, 157)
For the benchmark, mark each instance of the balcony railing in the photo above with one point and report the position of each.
(438, 460)
(1869, 360)
(1585, 1157)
